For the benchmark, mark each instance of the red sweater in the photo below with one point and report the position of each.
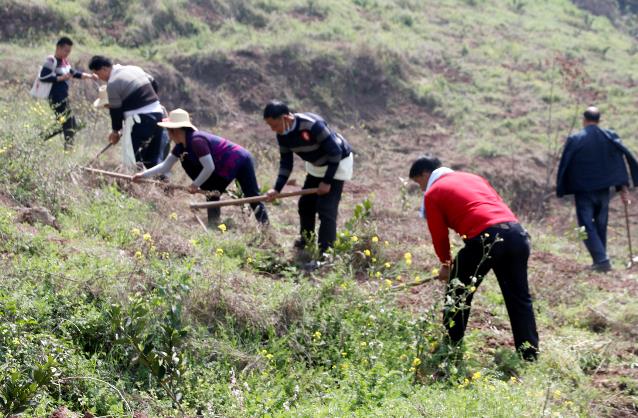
(467, 204)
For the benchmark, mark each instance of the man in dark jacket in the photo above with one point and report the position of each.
(593, 160)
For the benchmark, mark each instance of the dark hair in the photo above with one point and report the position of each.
(98, 62)
(424, 164)
(65, 40)
(592, 115)
(275, 109)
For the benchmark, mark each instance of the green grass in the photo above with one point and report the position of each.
(131, 305)
(248, 334)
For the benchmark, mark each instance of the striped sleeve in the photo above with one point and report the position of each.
(285, 167)
(76, 73)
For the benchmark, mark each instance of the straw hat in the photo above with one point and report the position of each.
(177, 118)
(102, 98)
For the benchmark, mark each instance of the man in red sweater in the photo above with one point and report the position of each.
(493, 239)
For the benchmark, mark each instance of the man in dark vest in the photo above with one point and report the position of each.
(593, 160)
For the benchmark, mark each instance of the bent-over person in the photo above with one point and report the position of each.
(329, 163)
(212, 162)
(135, 110)
(494, 240)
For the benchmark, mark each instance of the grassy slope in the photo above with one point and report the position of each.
(59, 286)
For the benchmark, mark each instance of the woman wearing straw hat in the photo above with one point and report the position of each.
(210, 161)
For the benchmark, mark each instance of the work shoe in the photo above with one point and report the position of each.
(299, 244)
(603, 267)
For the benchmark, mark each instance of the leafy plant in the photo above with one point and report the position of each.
(153, 342)
(19, 389)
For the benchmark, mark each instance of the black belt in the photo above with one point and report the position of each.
(504, 225)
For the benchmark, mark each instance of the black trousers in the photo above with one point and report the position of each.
(505, 249)
(147, 140)
(247, 182)
(69, 126)
(326, 206)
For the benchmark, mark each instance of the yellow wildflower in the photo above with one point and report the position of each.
(513, 379)
(476, 376)
(373, 259)
(472, 289)
(408, 258)
(249, 260)
(354, 238)
(417, 279)
(222, 227)
(557, 394)
(367, 253)
(377, 274)
(435, 271)
(375, 239)
(2, 150)
(317, 334)
(399, 278)
(388, 265)
(147, 237)
(403, 357)
(193, 242)
(219, 252)
(386, 243)
(139, 255)
(363, 344)
(416, 362)
(344, 354)
(135, 232)
(388, 283)
(269, 356)
(172, 216)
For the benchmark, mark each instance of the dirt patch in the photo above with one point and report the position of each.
(345, 87)
(18, 19)
(621, 382)
(607, 8)
(557, 276)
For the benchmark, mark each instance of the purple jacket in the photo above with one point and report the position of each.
(228, 157)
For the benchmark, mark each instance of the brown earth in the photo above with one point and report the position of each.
(16, 17)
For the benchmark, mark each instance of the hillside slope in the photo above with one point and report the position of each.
(490, 85)
(124, 307)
